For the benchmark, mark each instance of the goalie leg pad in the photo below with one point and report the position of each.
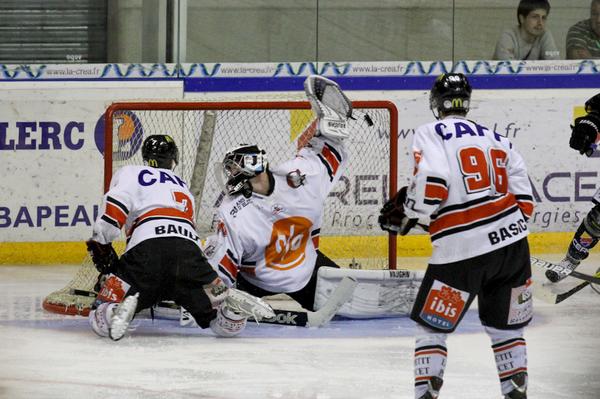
(379, 293)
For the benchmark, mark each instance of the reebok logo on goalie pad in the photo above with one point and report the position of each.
(285, 318)
(443, 306)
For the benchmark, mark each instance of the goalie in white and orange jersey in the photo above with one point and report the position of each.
(162, 259)
(470, 187)
(269, 223)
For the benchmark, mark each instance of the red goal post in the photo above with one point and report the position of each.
(264, 122)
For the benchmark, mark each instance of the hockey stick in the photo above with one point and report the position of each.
(551, 292)
(305, 318)
(544, 264)
(554, 298)
(577, 288)
(295, 318)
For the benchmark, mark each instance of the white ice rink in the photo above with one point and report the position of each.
(44, 355)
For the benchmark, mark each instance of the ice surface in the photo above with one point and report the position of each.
(43, 355)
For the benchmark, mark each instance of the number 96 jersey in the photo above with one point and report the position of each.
(471, 186)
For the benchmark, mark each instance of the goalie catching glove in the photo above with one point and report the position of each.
(331, 106)
(392, 217)
(103, 255)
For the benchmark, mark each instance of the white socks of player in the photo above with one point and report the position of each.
(430, 362)
(235, 310)
(510, 353)
(112, 319)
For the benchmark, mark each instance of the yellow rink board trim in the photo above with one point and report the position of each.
(44, 253)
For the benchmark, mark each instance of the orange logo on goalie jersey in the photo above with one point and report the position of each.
(287, 247)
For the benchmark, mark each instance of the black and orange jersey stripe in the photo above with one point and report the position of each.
(331, 158)
(462, 217)
(115, 213)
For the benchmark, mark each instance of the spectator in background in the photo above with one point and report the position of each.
(583, 38)
(529, 40)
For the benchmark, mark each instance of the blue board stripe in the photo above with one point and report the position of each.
(566, 81)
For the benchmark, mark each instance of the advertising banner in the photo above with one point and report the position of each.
(51, 128)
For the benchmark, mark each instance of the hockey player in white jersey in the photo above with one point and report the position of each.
(268, 225)
(470, 187)
(162, 259)
(585, 135)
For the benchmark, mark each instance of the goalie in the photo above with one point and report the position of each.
(585, 135)
(268, 225)
(162, 260)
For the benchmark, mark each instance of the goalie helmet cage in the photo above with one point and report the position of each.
(204, 131)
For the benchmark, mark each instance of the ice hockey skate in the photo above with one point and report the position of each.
(433, 388)
(519, 381)
(566, 266)
(122, 316)
(244, 304)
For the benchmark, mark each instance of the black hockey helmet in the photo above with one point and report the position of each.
(451, 93)
(240, 164)
(593, 104)
(160, 151)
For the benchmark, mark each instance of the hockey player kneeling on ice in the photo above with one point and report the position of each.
(162, 259)
(268, 225)
(470, 187)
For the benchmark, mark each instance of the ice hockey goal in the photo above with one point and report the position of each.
(204, 131)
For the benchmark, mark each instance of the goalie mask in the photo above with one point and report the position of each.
(160, 151)
(240, 165)
(450, 94)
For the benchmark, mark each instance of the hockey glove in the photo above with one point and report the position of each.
(584, 133)
(330, 104)
(392, 217)
(103, 255)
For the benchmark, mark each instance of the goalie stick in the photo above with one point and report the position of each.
(305, 318)
(295, 318)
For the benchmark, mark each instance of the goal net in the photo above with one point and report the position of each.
(204, 131)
